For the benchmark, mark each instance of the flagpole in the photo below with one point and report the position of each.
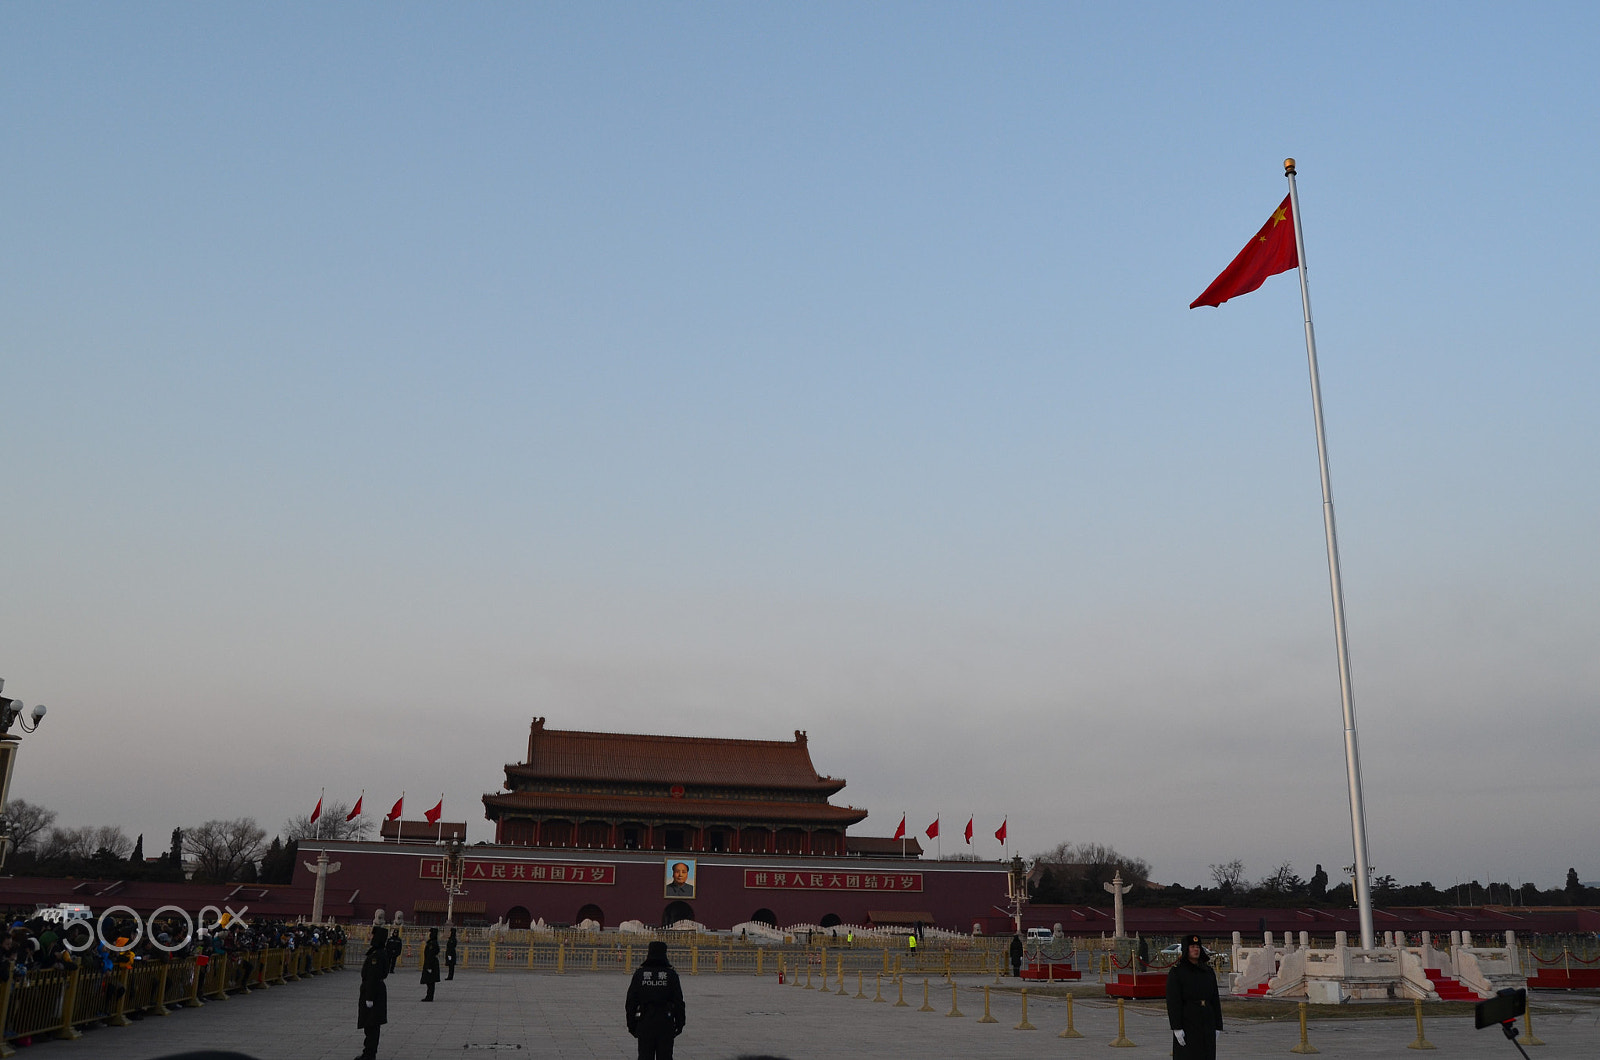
(1352, 757)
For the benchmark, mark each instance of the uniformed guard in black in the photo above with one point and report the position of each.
(430, 962)
(655, 1005)
(373, 1007)
(1016, 955)
(397, 946)
(1193, 1009)
(450, 955)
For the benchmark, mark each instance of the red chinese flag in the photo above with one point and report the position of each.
(394, 811)
(933, 829)
(900, 833)
(1000, 833)
(969, 831)
(437, 812)
(355, 811)
(316, 812)
(1271, 251)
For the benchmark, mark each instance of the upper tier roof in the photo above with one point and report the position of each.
(620, 758)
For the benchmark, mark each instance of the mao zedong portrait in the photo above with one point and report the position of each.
(680, 879)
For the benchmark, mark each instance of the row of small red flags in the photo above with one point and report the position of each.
(432, 815)
(932, 831)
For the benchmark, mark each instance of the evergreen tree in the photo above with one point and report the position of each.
(1319, 884)
(175, 852)
(1574, 886)
(137, 857)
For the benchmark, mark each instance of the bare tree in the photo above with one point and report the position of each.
(1228, 875)
(27, 821)
(112, 840)
(220, 849)
(331, 825)
(66, 844)
(1096, 863)
(1283, 880)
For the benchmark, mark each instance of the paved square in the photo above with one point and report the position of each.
(580, 1015)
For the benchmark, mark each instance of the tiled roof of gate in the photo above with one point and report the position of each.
(568, 754)
(580, 807)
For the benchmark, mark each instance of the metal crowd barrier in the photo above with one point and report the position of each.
(55, 1004)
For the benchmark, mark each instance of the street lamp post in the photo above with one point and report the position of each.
(11, 714)
(454, 871)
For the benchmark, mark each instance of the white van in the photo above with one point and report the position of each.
(1041, 935)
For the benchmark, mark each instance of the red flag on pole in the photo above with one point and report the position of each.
(1000, 833)
(900, 833)
(1271, 251)
(316, 812)
(434, 814)
(933, 829)
(969, 831)
(395, 810)
(355, 811)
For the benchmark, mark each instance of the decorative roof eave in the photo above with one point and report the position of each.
(826, 785)
(578, 807)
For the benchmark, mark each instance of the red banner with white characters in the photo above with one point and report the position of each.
(768, 879)
(523, 871)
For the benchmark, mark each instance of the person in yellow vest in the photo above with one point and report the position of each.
(911, 943)
(850, 939)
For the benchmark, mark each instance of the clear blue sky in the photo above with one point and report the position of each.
(376, 376)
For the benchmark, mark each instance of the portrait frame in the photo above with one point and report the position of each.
(671, 887)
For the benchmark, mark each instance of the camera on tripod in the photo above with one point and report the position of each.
(1503, 1009)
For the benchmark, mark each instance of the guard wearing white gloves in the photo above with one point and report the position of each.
(1193, 1010)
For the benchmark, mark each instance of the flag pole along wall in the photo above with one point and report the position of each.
(1352, 756)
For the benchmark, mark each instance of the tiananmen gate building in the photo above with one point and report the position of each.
(621, 826)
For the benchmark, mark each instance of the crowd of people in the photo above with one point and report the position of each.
(34, 942)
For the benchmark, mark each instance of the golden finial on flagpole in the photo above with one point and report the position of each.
(1288, 166)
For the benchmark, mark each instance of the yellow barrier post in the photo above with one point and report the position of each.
(493, 955)
(5, 1017)
(530, 955)
(1071, 1031)
(1123, 1041)
(69, 1002)
(902, 1002)
(1025, 1025)
(759, 954)
(861, 985)
(160, 1008)
(119, 1011)
(1421, 1042)
(877, 981)
(561, 958)
(947, 966)
(719, 962)
(808, 974)
(193, 1000)
(925, 1006)
(627, 955)
(694, 960)
(1305, 1045)
(986, 1018)
(1528, 1037)
(886, 960)
(840, 966)
(221, 992)
(954, 1011)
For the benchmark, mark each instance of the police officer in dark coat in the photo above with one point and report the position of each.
(450, 955)
(373, 1008)
(1193, 1009)
(1016, 955)
(430, 962)
(397, 946)
(655, 1005)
